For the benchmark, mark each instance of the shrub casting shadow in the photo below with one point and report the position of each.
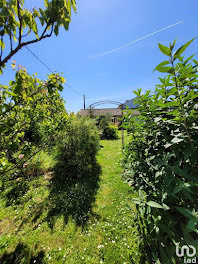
(14, 194)
(73, 197)
(22, 255)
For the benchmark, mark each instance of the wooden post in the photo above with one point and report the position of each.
(84, 100)
(122, 134)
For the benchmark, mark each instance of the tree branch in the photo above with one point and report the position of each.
(20, 45)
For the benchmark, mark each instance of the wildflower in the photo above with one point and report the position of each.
(21, 156)
(100, 246)
(113, 241)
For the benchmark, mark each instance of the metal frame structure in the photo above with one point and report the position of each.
(105, 102)
(110, 102)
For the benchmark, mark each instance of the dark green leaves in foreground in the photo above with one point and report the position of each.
(161, 159)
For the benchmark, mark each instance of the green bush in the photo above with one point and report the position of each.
(43, 161)
(78, 147)
(162, 159)
(109, 132)
(103, 120)
(32, 113)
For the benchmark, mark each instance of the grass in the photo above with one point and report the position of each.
(89, 221)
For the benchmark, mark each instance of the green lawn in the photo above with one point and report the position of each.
(87, 221)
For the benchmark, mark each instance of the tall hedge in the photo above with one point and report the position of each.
(161, 161)
(78, 146)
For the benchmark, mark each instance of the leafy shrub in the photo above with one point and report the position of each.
(79, 144)
(103, 121)
(109, 132)
(43, 161)
(162, 159)
(32, 113)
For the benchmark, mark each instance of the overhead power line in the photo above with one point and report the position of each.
(47, 67)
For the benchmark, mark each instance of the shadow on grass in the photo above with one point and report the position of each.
(69, 197)
(73, 197)
(15, 192)
(22, 255)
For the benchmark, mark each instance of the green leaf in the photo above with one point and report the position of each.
(2, 45)
(46, 3)
(136, 201)
(164, 256)
(188, 59)
(177, 140)
(166, 69)
(186, 212)
(167, 145)
(56, 30)
(161, 64)
(182, 49)
(177, 189)
(35, 29)
(172, 45)
(191, 224)
(154, 204)
(11, 93)
(165, 50)
(15, 39)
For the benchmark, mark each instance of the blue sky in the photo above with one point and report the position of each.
(102, 25)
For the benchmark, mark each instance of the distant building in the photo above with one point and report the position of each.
(115, 113)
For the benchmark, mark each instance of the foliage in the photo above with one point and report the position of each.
(32, 112)
(110, 132)
(79, 144)
(162, 159)
(22, 26)
(109, 236)
(107, 131)
(103, 120)
(42, 162)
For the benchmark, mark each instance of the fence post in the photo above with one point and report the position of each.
(122, 133)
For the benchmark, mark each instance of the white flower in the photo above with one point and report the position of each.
(113, 241)
(100, 246)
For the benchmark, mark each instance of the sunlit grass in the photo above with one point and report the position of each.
(109, 235)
